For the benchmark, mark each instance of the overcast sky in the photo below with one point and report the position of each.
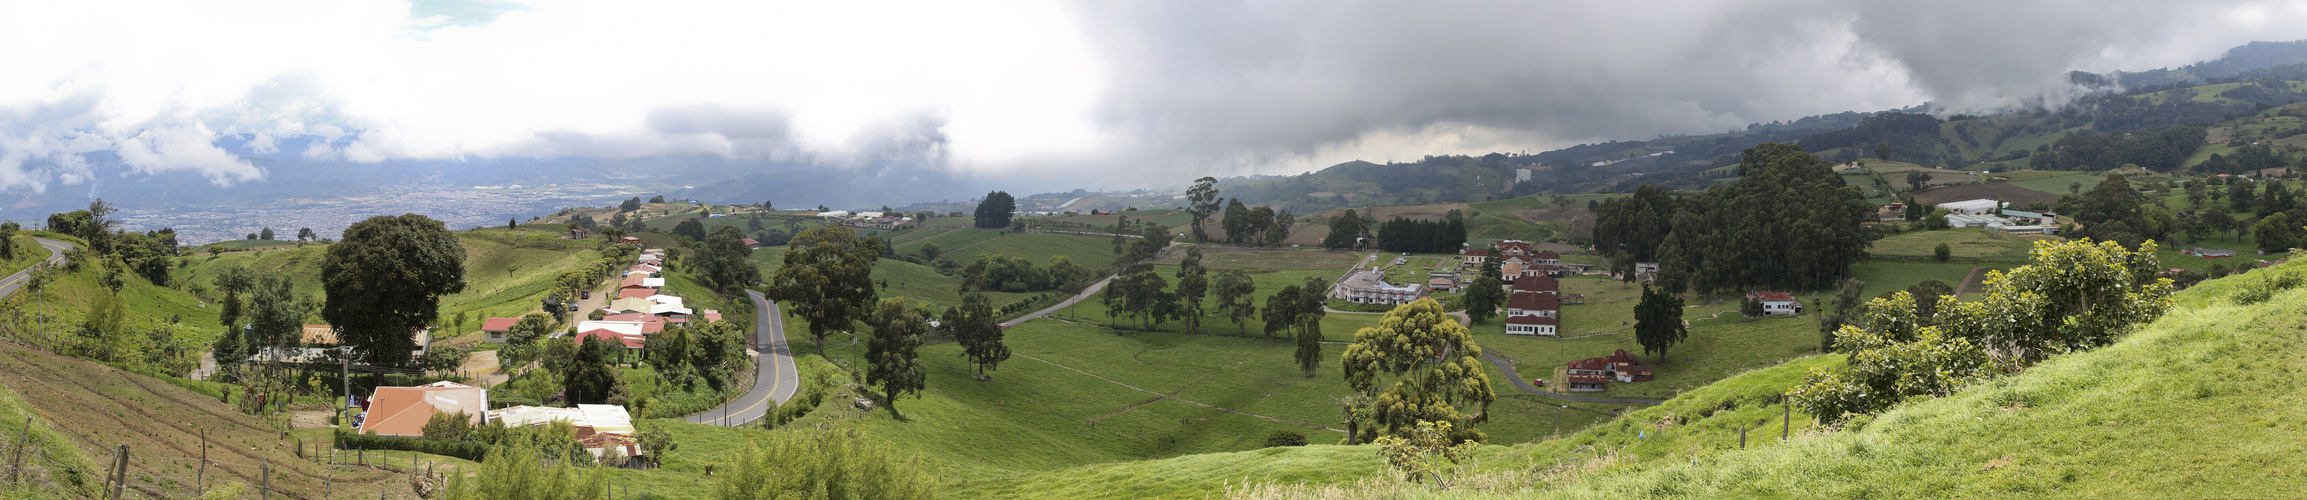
(1110, 93)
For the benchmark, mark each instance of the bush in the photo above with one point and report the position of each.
(467, 450)
(1285, 437)
(833, 463)
(1943, 252)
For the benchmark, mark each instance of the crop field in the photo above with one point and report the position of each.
(1881, 276)
(2008, 192)
(949, 240)
(2056, 185)
(1220, 256)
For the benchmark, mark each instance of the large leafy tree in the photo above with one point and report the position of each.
(1140, 292)
(1201, 202)
(586, 376)
(996, 210)
(974, 326)
(275, 313)
(827, 279)
(384, 281)
(1345, 230)
(1421, 366)
(1658, 322)
(1236, 294)
(1193, 284)
(691, 228)
(891, 362)
(725, 262)
(1487, 292)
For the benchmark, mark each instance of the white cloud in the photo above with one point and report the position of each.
(1103, 92)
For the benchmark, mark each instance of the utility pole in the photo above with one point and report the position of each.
(344, 414)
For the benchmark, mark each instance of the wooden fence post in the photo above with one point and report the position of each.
(267, 491)
(121, 473)
(200, 480)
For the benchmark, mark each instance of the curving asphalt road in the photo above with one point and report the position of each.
(1085, 293)
(55, 248)
(775, 377)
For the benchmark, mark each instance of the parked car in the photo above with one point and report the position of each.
(1538, 382)
(584, 294)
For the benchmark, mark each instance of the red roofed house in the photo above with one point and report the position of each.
(403, 411)
(1777, 303)
(495, 330)
(1583, 383)
(1538, 284)
(1514, 248)
(1531, 325)
(1476, 256)
(751, 243)
(1547, 258)
(1532, 304)
(631, 342)
(636, 293)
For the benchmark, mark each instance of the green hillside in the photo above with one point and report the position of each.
(506, 272)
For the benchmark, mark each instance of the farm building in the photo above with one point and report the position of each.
(1777, 303)
(494, 330)
(1368, 287)
(1532, 325)
(1973, 207)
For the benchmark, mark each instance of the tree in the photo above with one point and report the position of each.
(1201, 201)
(1421, 366)
(1658, 322)
(1193, 284)
(98, 225)
(1882, 150)
(1309, 354)
(1279, 226)
(384, 281)
(1345, 230)
(891, 362)
(2071, 296)
(2275, 233)
(275, 313)
(974, 326)
(657, 199)
(1236, 297)
(995, 211)
(1282, 310)
(265, 234)
(1917, 179)
(1943, 252)
(930, 251)
(1237, 222)
(510, 224)
(1488, 291)
(587, 376)
(1926, 295)
(1140, 292)
(655, 441)
(306, 234)
(691, 228)
(726, 263)
(827, 279)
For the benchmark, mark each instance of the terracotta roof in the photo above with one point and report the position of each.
(712, 316)
(1478, 252)
(636, 293)
(630, 341)
(1530, 320)
(1774, 296)
(1533, 302)
(1634, 369)
(635, 317)
(403, 411)
(1589, 364)
(633, 281)
(498, 324)
(750, 242)
(1584, 378)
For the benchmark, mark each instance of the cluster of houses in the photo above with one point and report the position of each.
(866, 219)
(638, 308)
(404, 411)
(1996, 216)
(1517, 259)
(1594, 374)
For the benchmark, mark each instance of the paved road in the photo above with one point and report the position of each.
(1085, 293)
(775, 378)
(55, 256)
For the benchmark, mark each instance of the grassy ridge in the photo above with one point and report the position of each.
(28, 252)
(506, 272)
(1091, 251)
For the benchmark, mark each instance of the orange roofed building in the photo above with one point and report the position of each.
(403, 411)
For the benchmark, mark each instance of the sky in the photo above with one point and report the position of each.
(1091, 93)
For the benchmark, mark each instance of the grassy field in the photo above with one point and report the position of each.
(245, 245)
(1095, 252)
(28, 252)
(1966, 244)
(2055, 184)
(1883, 276)
(948, 240)
(917, 282)
(1715, 348)
(506, 272)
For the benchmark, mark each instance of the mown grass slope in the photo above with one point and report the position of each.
(507, 272)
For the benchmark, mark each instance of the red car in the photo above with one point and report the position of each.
(1538, 382)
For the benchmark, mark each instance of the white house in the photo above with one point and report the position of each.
(1531, 325)
(1543, 305)
(1365, 286)
(1777, 303)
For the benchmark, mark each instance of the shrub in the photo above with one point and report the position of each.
(1943, 252)
(833, 463)
(460, 449)
(1285, 437)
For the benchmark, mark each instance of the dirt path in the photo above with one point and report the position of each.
(1971, 282)
(483, 367)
